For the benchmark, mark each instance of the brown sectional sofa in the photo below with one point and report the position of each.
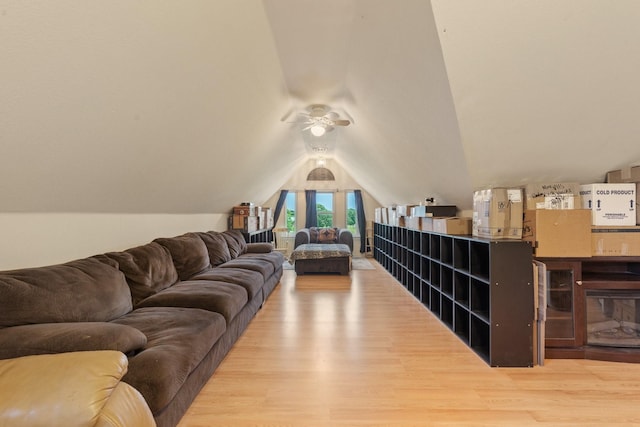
(174, 306)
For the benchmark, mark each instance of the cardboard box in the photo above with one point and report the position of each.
(404, 210)
(629, 174)
(244, 223)
(615, 241)
(552, 195)
(497, 213)
(558, 233)
(412, 222)
(244, 210)
(452, 225)
(262, 220)
(610, 204)
(426, 223)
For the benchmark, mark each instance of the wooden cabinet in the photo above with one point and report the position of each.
(593, 308)
(564, 297)
(481, 289)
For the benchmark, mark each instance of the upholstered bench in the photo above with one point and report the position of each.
(322, 258)
(322, 250)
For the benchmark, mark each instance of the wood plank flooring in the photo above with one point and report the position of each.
(359, 350)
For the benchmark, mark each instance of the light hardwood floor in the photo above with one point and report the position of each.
(359, 350)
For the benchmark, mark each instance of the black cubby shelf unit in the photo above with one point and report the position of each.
(481, 289)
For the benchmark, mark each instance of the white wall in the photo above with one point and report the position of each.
(36, 239)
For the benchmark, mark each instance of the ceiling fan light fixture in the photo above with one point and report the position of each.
(317, 130)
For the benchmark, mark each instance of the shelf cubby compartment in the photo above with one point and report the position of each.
(434, 305)
(446, 250)
(417, 289)
(480, 299)
(446, 311)
(425, 269)
(403, 276)
(479, 262)
(446, 280)
(479, 337)
(425, 293)
(396, 271)
(461, 323)
(461, 289)
(435, 274)
(402, 237)
(461, 254)
(425, 247)
(408, 259)
(416, 244)
(434, 243)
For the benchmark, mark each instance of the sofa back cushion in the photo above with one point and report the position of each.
(148, 269)
(235, 241)
(323, 235)
(84, 290)
(217, 247)
(189, 254)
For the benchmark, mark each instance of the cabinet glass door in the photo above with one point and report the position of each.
(563, 280)
(560, 322)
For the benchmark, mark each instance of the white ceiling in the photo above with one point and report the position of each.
(174, 107)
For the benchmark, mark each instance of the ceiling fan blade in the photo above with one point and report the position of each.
(341, 122)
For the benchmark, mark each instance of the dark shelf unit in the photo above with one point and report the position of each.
(481, 289)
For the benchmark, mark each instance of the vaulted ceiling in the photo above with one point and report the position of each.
(183, 107)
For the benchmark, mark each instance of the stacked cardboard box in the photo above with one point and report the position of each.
(615, 241)
(610, 204)
(497, 213)
(248, 218)
(244, 218)
(554, 222)
(558, 232)
(552, 195)
(452, 225)
(629, 174)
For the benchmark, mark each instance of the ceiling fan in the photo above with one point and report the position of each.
(321, 119)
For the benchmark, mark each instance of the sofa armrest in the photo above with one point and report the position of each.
(70, 389)
(345, 237)
(50, 338)
(259, 248)
(302, 237)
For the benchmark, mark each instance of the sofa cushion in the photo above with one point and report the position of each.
(253, 264)
(235, 241)
(217, 247)
(148, 269)
(274, 258)
(189, 253)
(47, 338)
(178, 339)
(224, 298)
(251, 281)
(323, 235)
(84, 290)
